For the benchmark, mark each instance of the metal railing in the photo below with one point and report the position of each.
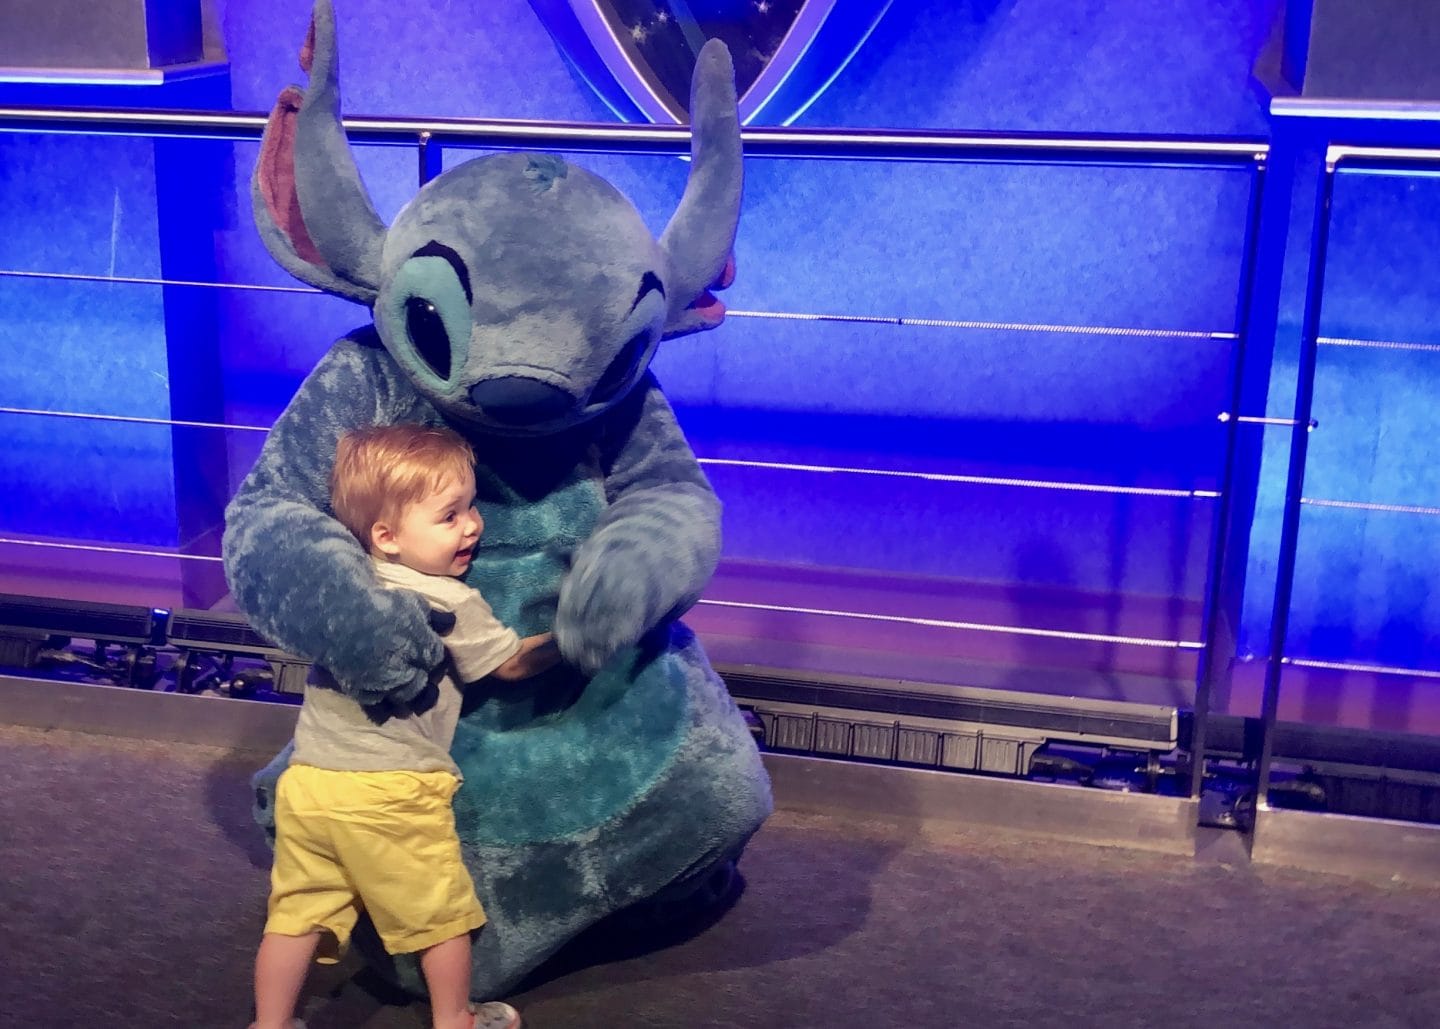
(1384, 158)
(431, 137)
(430, 134)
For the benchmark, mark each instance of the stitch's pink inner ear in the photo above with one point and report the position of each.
(707, 310)
(307, 49)
(276, 172)
(727, 275)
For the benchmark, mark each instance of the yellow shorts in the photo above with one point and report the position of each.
(379, 842)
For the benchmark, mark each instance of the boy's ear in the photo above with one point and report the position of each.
(382, 538)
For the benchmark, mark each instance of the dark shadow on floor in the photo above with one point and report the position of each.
(229, 798)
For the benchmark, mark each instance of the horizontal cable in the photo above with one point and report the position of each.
(133, 280)
(974, 480)
(977, 480)
(1377, 344)
(862, 319)
(940, 623)
(956, 323)
(1013, 630)
(168, 555)
(133, 419)
(1250, 419)
(1345, 666)
(1360, 505)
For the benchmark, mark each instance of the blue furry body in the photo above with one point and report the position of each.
(583, 793)
(519, 299)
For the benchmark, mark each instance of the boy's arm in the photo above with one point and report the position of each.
(536, 654)
(481, 646)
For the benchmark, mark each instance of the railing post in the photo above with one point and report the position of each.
(1223, 588)
(1294, 483)
(431, 157)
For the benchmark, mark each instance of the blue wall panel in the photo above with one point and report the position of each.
(1157, 249)
(85, 207)
(1364, 578)
(1147, 66)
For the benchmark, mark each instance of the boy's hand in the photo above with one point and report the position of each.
(383, 710)
(442, 621)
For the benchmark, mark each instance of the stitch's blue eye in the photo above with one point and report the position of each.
(424, 317)
(427, 333)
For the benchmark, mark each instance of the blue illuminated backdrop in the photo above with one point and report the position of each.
(119, 208)
(1154, 249)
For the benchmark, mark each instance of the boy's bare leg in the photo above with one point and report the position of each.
(280, 969)
(447, 975)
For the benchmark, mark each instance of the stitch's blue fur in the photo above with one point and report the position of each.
(623, 775)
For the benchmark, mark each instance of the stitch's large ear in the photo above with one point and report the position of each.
(700, 239)
(311, 208)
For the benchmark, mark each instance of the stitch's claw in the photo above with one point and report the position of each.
(602, 610)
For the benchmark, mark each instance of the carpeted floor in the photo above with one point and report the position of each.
(132, 890)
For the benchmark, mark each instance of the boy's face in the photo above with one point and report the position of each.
(436, 534)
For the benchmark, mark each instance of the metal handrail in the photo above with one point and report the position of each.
(1330, 108)
(508, 134)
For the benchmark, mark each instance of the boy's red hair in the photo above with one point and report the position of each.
(382, 469)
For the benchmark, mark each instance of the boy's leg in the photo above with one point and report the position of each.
(447, 975)
(280, 968)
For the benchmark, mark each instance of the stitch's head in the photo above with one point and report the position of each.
(521, 291)
(518, 292)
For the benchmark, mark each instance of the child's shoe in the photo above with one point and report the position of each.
(495, 1014)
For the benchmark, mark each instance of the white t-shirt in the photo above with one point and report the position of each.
(334, 732)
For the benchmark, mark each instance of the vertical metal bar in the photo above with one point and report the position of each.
(430, 155)
(1280, 209)
(1217, 634)
(1294, 482)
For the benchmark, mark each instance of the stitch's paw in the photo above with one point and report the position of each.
(602, 609)
(392, 658)
(263, 785)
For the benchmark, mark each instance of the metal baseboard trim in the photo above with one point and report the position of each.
(1365, 848)
(1046, 716)
(907, 798)
(910, 798)
(144, 714)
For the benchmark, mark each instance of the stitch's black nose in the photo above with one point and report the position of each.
(515, 400)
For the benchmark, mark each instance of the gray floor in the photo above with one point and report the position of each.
(132, 888)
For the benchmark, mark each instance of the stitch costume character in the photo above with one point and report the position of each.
(519, 299)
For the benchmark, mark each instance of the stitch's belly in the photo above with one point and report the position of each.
(578, 767)
(555, 754)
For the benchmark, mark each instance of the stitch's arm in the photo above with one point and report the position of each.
(297, 573)
(654, 548)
